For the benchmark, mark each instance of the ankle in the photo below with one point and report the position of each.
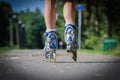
(49, 30)
(71, 23)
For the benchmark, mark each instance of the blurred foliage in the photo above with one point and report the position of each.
(34, 27)
(5, 14)
(99, 22)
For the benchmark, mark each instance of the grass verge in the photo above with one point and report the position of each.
(3, 49)
(115, 52)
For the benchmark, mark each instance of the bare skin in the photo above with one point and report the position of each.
(50, 13)
(68, 11)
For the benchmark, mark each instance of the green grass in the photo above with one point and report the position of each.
(115, 52)
(91, 51)
(3, 49)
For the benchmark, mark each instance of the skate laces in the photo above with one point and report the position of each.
(51, 41)
(69, 33)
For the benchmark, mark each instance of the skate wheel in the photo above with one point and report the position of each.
(70, 54)
(54, 57)
(73, 54)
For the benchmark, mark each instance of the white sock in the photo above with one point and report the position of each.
(69, 23)
(48, 30)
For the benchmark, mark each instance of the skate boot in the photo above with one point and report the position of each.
(71, 40)
(50, 46)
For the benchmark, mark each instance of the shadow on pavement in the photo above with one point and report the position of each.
(88, 62)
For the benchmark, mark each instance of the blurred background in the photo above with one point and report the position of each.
(22, 24)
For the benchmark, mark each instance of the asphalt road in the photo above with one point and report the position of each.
(31, 65)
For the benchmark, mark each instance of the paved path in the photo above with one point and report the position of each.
(31, 65)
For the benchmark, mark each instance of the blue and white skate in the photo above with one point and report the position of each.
(50, 46)
(70, 39)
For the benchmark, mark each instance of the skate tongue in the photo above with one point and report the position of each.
(70, 25)
(49, 32)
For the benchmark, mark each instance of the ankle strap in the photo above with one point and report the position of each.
(73, 26)
(46, 33)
